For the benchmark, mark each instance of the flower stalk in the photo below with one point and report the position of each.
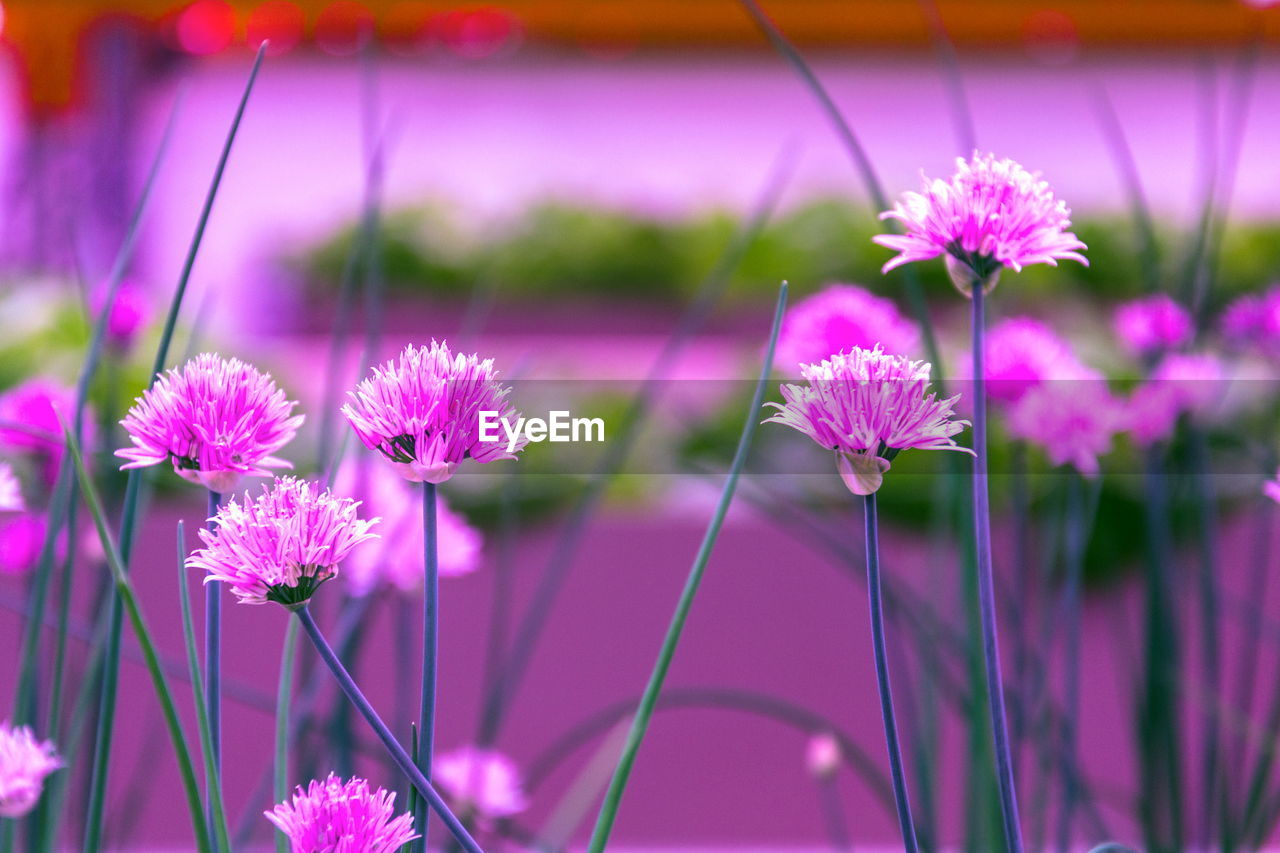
(430, 653)
(213, 660)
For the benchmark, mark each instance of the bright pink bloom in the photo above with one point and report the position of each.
(1022, 353)
(29, 420)
(866, 405)
(10, 490)
(24, 764)
(1182, 383)
(422, 412)
(1152, 324)
(21, 540)
(215, 419)
(838, 318)
(483, 782)
(398, 562)
(822, 755)
(281, 545)
(334, 816)
(1272, 488)
(129, 315)
(1074, 422)
(991, 213)
(1254, 321)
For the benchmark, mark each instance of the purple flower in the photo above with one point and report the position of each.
(1272, 488)
(1074, 422)
(866, 406)
(24, 764)
(10, 490)
(281, 545)
(422, 412)
(215, 419)
(29, 420)
(334, 816)
(21, 540)
(129, 315)
(398, 562)
(991, 214)
(1254, 321)
(838, 318)
(1182, 383)
(482, 781)
(1022, 353)
(1152, 324)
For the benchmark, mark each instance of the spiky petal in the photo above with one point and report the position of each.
(421, 411)
(24, 764)
(216, 420)
(334, 816)
(281, 545)
(867, 405)
(481, 781)
(991, 214)
(837, 318)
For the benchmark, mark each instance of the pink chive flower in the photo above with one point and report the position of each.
(1152, 324)
(21, 541)
(866, 406)
(1181, 384)
(129, 315)
(822, 755)
(10, 490)
(991, 214)
(838, 318)
(334, 816)
(216, 420)
(422, 412)
(24, 764)
(483, 782)
(398, 562)
(1272, 488)
(29, 420)
(281, 545)
(1023, 353)
(1254, 321)
(1074, 422)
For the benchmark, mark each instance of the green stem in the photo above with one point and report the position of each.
(281, 781)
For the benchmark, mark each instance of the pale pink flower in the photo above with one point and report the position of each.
(1021, 353)
(10, 490)
(1181, 384)
(21, 541)
(822, 755)
(24, 764)
(1272, 488)
(483, 782)
(216, 420)
(838, 318)
(992, 213)
(866, 406)
(1152, 324)
(398, 560)
(1074, 422)
(422, 412)
(281, 545)
(334, 816)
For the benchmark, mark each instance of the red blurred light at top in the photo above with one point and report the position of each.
(279, 22)
(206, 27)
(1051, 37)
(478, 33)
(343, 27)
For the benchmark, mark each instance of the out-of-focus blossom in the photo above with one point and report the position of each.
(1253, 320)
(991, 214)
(1152, 324)
(1021, 353)
(29, 420)
(1261, 4)
(822, 755)
(130, 313)
(1074, 422)
(483, 782)
(866, 405)
(21, 540)
(334, 816)
(1272, 488)
(422, 412)
(281, 545)
(10, 490)
(398, 560)
(24, 764)
(215, 420)
(1181, 383)
(838, 318)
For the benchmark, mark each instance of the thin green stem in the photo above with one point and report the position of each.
(280, 787)
(430, 653)
(640, 723)
(213, 666)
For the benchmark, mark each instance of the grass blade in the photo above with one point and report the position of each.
(640, 723)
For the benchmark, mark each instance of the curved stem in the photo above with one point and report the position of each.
(430, 652)
(213, 658)
(900, 798)
(986, 586)
(398, 754)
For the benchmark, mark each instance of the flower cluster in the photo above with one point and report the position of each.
(24, 764)
(422, 410)
(334, 816)
(1153, 324)
(838, 318)
(866, 406)
(1023, 353)
(282, 545)
(992, 213)
(1074, 422)
(215, 419)
(483, 782)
